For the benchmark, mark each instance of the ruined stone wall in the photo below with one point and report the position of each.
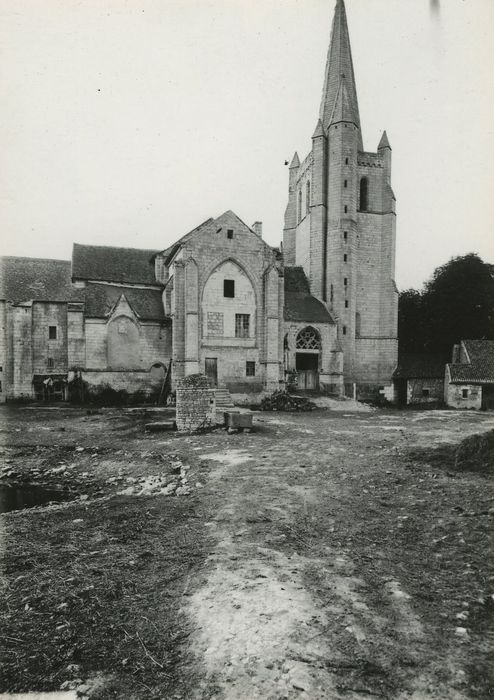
(195, 404)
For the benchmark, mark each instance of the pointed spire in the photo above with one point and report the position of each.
(295, 161)
(384, 142)
(339, 63)
(342, 110)
(319, 130)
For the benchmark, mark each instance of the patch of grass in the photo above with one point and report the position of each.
(102, 594)
(473, 454)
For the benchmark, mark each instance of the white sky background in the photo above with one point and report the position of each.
(129, 122)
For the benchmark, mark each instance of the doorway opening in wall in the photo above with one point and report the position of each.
(211, 370)
(308, 348)
(307, 366)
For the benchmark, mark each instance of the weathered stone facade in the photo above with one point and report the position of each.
(222, 302)
(340, 225)
(224, 293)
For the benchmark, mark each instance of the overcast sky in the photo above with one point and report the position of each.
(129, 122)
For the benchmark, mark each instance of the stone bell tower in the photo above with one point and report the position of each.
(340, 224)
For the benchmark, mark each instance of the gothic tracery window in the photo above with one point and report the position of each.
(308, 339)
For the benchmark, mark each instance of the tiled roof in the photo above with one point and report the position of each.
(300, 305)
(417, 366)
(23, 279)
(481, 366)
(101, 298)
(125, 265)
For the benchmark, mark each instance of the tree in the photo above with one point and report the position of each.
(410, 321)
(456, 303)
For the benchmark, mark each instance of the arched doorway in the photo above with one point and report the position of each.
(308, 350)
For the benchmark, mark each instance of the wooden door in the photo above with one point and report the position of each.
(211, 369)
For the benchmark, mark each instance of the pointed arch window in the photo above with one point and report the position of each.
(307, 197)
(364, 194)
(299, 206)
(308, 339)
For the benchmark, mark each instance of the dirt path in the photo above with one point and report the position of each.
(326, 555)
(258, 627)
(262, 627)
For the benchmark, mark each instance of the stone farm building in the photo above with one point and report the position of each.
(221, 300)
(469, 380)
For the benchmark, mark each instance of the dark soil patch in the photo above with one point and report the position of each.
(85, 592)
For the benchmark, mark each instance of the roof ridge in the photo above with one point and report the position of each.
(116, 247)
(27, 257)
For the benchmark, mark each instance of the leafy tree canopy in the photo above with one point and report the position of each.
(456, 303)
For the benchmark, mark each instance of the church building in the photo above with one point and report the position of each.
(319, 313)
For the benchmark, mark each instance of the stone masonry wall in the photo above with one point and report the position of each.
(196, 407)
(455, 398)
(49, 355)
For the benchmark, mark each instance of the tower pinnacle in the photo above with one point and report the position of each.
(339, 65)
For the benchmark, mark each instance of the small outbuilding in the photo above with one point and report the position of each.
(469, 380)
(419, 379)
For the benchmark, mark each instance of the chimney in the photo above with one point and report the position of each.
(257, 228)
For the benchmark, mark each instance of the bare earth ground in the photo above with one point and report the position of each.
(325, 555)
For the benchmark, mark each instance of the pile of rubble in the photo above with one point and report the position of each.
(283, 401)
(174, 484)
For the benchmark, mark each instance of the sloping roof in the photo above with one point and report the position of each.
(480, 369)
(25, 279)
(300, 305)
(125, 265)
(419, 366)
(208, 227)
(101, 298)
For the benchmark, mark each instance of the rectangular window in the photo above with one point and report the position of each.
(345, 235)
(345, 281)
(0, 387)
(426, 393)
(242, 325)
(464, 393)
(250, 369)
(229, 233)
(346, 303)
(50, 364)
(229, 288)
(346, 161)
(346, 183)
(344, 330)
(52, 332)
(345, 258)
(346, 209)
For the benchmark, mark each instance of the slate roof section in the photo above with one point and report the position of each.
(109, 264)
(26, 279)
(420, 366)
(300, 305)
(101, 298)
(480, 369)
